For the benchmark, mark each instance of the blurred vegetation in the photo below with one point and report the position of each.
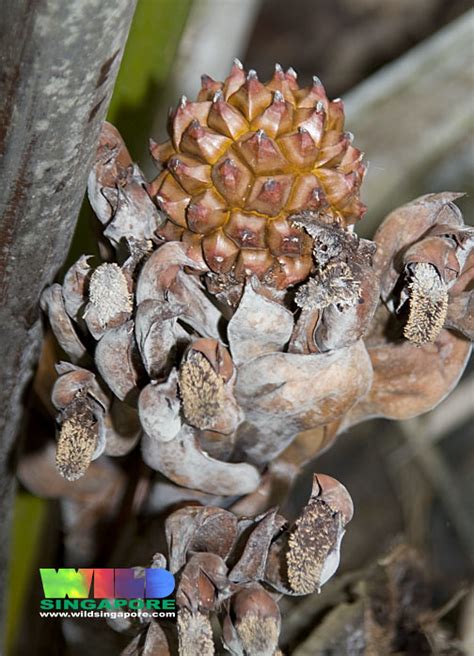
(154, 36)
(28, 519)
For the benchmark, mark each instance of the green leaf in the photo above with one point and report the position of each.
(29, 516)
(151, 47)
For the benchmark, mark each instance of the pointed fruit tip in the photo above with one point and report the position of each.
(218, 96)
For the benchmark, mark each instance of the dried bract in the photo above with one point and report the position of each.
(424, 260)
(53, 303)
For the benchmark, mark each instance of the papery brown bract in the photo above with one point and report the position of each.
(283, 394)
(199, 529)
(150, 642)
(405, 226)
(52, 302)
(252, 561)
(411, 378)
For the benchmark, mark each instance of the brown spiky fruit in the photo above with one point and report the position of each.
(242, 160)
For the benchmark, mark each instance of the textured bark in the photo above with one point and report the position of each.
(59, 62)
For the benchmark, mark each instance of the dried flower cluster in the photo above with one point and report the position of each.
(238, 324)
(238, 568)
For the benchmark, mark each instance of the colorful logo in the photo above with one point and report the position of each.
(155, 583)
(102, 592)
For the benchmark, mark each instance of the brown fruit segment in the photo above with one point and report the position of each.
(246, 156)
(232, 179)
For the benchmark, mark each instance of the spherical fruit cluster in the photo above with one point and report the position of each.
(242, 160)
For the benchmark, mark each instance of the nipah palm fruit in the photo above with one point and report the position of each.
(242, 160)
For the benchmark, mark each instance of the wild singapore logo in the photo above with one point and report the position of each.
(113, 593)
